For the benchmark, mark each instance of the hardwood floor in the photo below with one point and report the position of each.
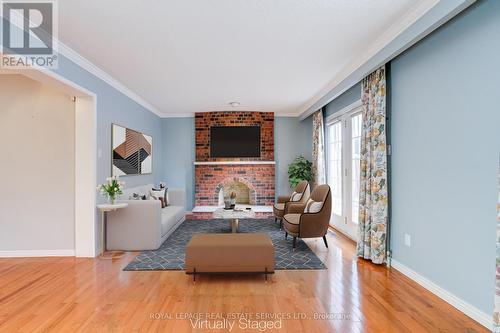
(92, 295)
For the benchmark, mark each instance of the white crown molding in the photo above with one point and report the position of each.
(90, 67)
(178, 115)
(482, 318)
(37, 253)
(192, 114)
(78, 59)
(419, 22)
(287, 115)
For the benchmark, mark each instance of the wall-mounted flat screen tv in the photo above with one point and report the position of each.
(235, 141)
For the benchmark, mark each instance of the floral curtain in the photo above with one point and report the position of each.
(318, 150)
(373, 202)
(496, 314)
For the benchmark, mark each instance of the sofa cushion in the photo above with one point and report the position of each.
(168, 219)
(179, 212)
(170, 215)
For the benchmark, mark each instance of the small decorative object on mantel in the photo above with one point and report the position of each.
(111, 189)
(233, 199)
(230, 201)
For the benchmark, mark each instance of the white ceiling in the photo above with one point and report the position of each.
(185, 56)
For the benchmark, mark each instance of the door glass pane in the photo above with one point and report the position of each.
(335, 165)
(356, 122)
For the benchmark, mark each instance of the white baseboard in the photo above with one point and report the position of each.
(482, 318)
(37, 253)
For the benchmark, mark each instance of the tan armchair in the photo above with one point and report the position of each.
(310, 219)
(300, 195)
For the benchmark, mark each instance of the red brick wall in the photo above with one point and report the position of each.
(210, 178)
(204, 120)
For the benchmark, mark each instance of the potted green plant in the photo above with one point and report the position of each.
(111, 189)
(300, 169)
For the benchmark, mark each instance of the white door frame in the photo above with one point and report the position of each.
(346, 226)
(85, 155)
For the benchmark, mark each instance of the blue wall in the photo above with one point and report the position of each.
(292, 138)
(446, 140)
(179, 155)
(115, 107)
(350, 96)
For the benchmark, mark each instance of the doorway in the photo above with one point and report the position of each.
(85, 153)
(343, 137)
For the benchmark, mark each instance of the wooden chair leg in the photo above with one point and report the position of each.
(324, 239)
(281, 223)
(294, 241)
(286, 234)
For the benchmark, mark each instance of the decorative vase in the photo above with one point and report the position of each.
(111, 199)
(227, 203)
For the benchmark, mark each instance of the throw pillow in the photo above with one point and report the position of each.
(295, 196)
(163, 186)
(158, 195)
(135, 196)
(313, 206)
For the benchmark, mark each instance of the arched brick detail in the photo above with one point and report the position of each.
(209, 179)
(252, 193)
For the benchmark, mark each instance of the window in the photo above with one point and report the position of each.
(343, 167)
(356, 122)
(335, 165)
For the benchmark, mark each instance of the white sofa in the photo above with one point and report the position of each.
(143, 224)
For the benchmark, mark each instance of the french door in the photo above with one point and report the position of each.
(343, 135)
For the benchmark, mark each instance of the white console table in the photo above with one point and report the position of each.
(105, 208)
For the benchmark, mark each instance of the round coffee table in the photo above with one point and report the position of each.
(234, 216)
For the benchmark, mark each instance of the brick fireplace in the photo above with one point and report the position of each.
(254, 177)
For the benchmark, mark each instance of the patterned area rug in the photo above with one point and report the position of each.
(170, 255)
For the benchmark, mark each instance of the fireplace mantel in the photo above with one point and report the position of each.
(235, 163)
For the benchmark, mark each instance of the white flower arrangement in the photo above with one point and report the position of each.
(111, 188)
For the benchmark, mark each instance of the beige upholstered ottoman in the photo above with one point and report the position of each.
(230, 253)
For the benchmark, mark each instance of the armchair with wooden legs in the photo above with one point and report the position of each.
(311, 219)
(300, 195)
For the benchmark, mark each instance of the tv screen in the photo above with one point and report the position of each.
(235, 141)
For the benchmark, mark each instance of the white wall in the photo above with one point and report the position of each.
(37, 131)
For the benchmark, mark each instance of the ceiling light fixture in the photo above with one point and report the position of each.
(234, 104)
